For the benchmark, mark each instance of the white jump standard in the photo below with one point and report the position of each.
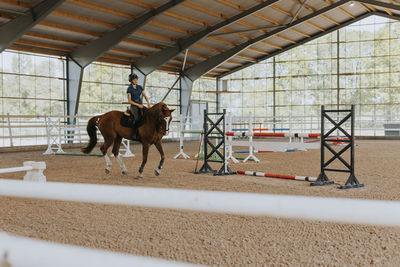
(295, 140)
(34, 171)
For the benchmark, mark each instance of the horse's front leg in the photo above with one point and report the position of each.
(160, 165)
(145, 153)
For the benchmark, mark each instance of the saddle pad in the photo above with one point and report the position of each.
(125, 122)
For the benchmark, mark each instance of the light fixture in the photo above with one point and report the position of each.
(351, 4)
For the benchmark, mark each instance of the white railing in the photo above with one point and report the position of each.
(27, 252)
(364, 125)
(359, 211)
(24, 130)
(51, 130)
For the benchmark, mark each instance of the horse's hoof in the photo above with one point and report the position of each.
(124, 172)
(140, 176)
(157, 172)
(107, 171)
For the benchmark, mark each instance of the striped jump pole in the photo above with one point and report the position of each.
(247, 129)
(261, 151)
(79, 154)
(259, 129)
(281, 176)
(307, 135)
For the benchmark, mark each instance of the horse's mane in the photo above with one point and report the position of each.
(155, 113)
(156, 109)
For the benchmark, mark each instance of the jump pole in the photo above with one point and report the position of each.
(280, 176)
(79, 154)
(261, 151)
(299, 135)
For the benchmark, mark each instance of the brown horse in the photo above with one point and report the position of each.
(156, 124)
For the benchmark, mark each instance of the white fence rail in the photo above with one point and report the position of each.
(20, 130)
(374, 212)
(51, 130)
(27, 252)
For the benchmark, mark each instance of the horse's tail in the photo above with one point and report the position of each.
(91, 130)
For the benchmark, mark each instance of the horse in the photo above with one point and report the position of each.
(156, 121)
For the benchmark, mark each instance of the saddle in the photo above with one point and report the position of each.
(130, 122)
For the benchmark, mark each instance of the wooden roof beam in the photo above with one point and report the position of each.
(291, 15)
(341, 9)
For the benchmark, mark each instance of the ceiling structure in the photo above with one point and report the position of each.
(211, 38)
(220, 35)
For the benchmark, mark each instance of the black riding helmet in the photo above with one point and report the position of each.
(132, 76)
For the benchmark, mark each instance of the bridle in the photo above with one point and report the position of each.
(167, 123)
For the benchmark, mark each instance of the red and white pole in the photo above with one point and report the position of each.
(308, 135)
(281, 176)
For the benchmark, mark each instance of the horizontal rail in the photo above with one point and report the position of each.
(22, 136)
(16, 169)
(32, 252)
(23, 126)
(359, 211)
(340, 110)
(309, 135)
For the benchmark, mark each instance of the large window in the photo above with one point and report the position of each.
(204, 91)
(158, 84)
(308, 76)
(103, 88)
(31, 84)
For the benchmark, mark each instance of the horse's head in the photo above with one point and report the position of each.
(166, 116)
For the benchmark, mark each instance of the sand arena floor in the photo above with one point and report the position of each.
(208, 238)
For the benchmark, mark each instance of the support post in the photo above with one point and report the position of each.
(74, 83)
(186, 85)
(218, 95)
(274, 94)
(10, 130)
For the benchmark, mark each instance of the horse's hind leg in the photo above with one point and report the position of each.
(107, 143)
(160, 165)
(115, 151)
(145, 152)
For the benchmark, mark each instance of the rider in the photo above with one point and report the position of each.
(135, 93)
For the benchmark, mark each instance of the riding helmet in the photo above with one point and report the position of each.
(132, 76)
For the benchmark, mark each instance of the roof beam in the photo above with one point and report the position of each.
(16, 28)
(381, 4)
(251, 26)
(226, 31)
(152, 62)
(207, 65)
(382, 14)
(305, 40)
(88, 53)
